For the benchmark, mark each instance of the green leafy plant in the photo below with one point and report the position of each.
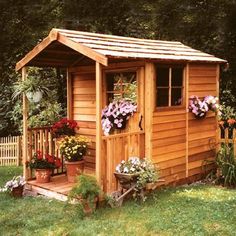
(32, 84)
(226, 165)
(86, 190)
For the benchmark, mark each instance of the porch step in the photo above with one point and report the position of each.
(31, 190)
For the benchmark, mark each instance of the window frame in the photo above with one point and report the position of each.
(171, 107)
(110, 71)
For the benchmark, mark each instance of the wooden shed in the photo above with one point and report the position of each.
(164, 74)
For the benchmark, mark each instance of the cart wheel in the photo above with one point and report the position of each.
(116, 201)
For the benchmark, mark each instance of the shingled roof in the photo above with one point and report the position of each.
(61, 47)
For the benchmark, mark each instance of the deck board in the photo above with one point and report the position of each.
(57, 188)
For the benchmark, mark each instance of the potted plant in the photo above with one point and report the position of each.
(115, 115)
(136, 171)
(64, 127)
(33, 87)
(43, 165)
(200, 108)
(86, 191)
(15, 186)
(73, 149)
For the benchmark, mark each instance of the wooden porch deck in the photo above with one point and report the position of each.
(57, 188)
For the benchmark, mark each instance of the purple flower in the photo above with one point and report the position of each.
(115, 113)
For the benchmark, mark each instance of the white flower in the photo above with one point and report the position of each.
(118, 168)
(132, 169)
(126, 170)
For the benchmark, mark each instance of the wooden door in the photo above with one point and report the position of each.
(122, 144)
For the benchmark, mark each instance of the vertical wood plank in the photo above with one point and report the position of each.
(149, 106)
(186, 79)
(25, 128)
(69, 94)
(98, 121)
(218, 95)
(18, 150)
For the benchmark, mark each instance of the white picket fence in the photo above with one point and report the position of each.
(10, 151)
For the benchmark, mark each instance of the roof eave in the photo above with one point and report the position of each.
(54, 35)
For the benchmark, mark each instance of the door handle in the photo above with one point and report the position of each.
(140, 123)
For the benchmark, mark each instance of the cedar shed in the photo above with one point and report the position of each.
(163, 75)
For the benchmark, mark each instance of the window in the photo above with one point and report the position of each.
(169, 86)
(121, 85)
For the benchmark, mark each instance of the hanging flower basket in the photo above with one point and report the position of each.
(200, 116)
(34, 97)
(116, 114)
(122, 124)
(200, 108)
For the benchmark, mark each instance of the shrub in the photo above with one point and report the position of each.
(226, 165)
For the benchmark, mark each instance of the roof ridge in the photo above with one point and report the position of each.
(112, 36)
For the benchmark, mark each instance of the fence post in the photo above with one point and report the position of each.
(18, 150)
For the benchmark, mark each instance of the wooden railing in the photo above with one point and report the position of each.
(228, 136)
(42, 139)
(116, 148)
(10, 150)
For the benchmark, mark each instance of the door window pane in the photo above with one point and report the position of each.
(121, 85)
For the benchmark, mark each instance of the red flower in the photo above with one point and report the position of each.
(39, 155)
(231, 121)
(58, 163)
(49, 158)
(64, 126)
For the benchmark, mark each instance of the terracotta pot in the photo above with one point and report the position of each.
(17, 192)
(43, 175)
(89, 208)
(74, 168)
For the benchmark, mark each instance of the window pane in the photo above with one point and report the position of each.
(123, 84)
(162, 77)
(110, 82)
(176, 96)
(162, 97)
(177, 77)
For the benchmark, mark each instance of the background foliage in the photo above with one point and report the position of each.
(207, 25)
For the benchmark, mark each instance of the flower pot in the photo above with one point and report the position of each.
(43, 175)
(126, 180)
(200, 117)
(34, 96)
(89, 207)
(17, 192)
(74, 168)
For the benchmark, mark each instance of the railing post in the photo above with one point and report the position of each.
(25, 129)
(234, 142)
(98, 121)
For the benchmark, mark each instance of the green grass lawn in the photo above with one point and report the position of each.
(193, 210)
